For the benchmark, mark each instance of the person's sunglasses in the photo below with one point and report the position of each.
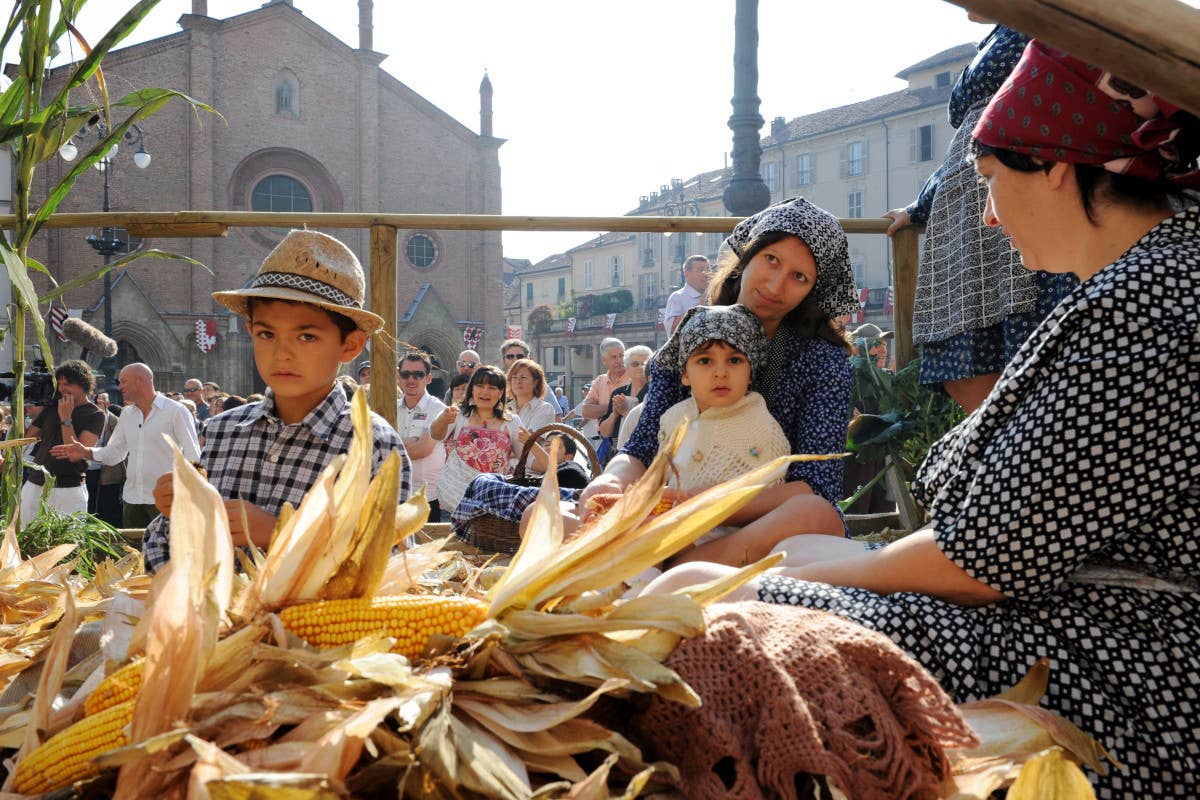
(191, 391)
(406, 375)
(468, 364)
(513, 356)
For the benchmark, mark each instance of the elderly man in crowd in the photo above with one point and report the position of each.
(595, 403)
(138, 435)
(193, 390)
(468, 361)
(696, 273)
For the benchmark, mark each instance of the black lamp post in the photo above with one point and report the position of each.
(746, 193)
(107, 243)
(677, 206)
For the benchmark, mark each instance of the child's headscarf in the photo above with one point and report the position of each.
(735, 325)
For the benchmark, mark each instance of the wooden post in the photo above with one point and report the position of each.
(384, 302)
(904, 281)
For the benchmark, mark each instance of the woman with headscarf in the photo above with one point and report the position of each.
(975, 303)
(789, 265)
(1066, 509)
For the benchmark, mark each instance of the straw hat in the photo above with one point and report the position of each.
(309, 267)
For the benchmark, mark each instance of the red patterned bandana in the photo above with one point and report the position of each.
(1059, 108)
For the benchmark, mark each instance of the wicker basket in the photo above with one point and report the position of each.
(496, 534)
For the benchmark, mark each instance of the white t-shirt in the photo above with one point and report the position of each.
(414, 423)
(141, 438)
(679, 303)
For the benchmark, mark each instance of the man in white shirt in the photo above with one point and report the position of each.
(696, 273)
(139, 435)
(415, 412)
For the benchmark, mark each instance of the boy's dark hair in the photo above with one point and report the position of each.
(568, 444)
(806, 320)
(77, 373)
(232, 401)
(492, 377)
(344, 324)
(417, 355)
(458, 379)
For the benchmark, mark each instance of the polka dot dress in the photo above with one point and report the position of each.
(1075, 491)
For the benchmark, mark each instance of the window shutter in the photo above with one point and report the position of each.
(914, 145)
(845, 160)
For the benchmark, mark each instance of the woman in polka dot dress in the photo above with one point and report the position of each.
(1066, 509)
(789, 264)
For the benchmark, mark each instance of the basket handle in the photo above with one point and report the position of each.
(593, 459)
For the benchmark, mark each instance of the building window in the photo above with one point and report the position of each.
(770, 176)
(562, 289)
(920, 144)
(287, 95)
(556, 358)
(648, 289)
(618, 271)
(855, 205)
(713, 244)
(420, 250)
(859, 265)
(804, 169)
(280, 193)
(941, 80)
(587, 275)
(529, 293)
(854, 159)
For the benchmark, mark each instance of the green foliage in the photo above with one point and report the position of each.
(35, 122)
(900, 419)
(540, 318)
(595, 305)
(95, 539)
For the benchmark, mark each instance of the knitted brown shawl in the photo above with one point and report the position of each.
(789, 693)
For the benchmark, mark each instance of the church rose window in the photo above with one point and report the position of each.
(280, 193)
(420, 251)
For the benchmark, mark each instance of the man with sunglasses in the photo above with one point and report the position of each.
(193, 390)
(415, 412)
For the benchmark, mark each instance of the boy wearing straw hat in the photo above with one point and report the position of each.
(304, 312)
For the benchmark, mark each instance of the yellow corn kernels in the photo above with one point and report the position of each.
(66, 757)
(410, 619)
(118, 687)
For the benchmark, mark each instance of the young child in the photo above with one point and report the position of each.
(730, 431)
(304, 312)
(483, 437)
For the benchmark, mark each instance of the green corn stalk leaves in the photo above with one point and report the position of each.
(35, 121)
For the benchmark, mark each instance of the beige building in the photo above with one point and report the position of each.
(858, 160)
(310, 123)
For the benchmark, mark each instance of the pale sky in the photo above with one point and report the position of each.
(604, 101)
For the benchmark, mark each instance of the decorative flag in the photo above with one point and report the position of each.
(889, 300)
(206, 334)
(609, 321)
(471, 336)
(570, 326)
(661, 322)
(58, 315)
(512, 332)
(863, 295)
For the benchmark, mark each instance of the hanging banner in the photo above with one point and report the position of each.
(56, 318)
(610, 320)
(661, 322)
(863, 295)
(889, 301)
(512, 332)
(471, 336)
(570, 326)
(206, 334)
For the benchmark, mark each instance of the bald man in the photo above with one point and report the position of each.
(139, 433)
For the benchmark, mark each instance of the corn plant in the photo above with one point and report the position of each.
(35, 121)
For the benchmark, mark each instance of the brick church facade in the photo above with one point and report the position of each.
(310, 123)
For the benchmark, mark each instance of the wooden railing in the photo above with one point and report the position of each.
(383, 298)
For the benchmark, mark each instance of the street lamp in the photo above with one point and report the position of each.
(679, 207)
(107, 243)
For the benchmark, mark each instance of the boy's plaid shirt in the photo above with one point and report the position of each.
(251, 455)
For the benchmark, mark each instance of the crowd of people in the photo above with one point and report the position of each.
(1064, 511)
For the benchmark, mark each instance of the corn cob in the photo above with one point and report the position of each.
(118, 687)
(410, 619)
(67, 755)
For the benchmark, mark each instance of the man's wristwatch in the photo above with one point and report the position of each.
(66, 423)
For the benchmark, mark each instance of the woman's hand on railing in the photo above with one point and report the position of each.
(899, 218)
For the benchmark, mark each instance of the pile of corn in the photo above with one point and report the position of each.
(326, 667)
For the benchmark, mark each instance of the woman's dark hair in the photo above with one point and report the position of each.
(78, 373)
(492, 377)
(1096, 184)
(806, 320)
(233, 401)
(458, 379)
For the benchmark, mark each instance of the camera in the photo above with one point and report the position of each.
(40, 387)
